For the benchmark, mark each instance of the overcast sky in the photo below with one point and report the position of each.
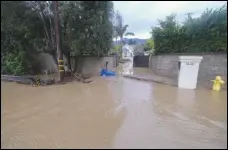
(141, 15)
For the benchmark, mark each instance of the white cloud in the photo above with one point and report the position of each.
(141, 15)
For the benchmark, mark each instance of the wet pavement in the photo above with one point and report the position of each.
(112, 112)
(144, 74)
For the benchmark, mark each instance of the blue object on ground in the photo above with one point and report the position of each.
(105, 72)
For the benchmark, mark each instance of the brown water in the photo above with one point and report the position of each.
(112, 112)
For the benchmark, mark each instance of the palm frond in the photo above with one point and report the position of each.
(129, 33)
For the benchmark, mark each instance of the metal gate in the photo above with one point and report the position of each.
(141, 61)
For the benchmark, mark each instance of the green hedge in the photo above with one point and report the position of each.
(207, 33)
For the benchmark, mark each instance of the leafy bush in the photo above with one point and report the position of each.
(207, 33)
(138, 50)
(19, 32)
(16, 64)
(27, 27)
(149, 45)
(116, 49)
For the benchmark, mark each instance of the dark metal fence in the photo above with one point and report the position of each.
(141, 61)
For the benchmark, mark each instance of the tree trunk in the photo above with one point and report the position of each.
(52, 34)
(59, 51)
(68, 61)
(121, 46)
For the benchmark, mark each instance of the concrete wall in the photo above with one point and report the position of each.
(92, 65)
(166, 65)
(89, 65)
(211, 66)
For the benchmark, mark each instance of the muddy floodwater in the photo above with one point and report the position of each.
(112, 112)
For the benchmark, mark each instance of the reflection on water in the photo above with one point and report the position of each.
(112, 113)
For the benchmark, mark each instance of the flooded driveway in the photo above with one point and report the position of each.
(112, 113)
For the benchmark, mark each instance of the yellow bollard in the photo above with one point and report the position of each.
(37, 81)
(217, 83)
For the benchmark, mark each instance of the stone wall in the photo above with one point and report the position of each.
(211, 66)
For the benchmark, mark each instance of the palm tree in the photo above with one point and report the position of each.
(121, 29)
(131, 41)
(115, 35)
